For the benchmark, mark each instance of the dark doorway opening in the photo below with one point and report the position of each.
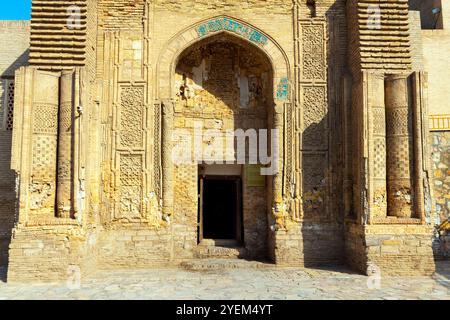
(220, 208)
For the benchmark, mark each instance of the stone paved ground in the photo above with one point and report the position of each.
(240, 284)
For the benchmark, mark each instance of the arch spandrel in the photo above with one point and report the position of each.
(212, 27)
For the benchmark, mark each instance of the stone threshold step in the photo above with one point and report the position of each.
(223, 264)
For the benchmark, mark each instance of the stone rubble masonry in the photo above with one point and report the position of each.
(440, 154)
(128, 206)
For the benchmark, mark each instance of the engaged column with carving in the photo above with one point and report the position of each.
(377, 141)
(167, 163)
(399, 147)
(65, 146)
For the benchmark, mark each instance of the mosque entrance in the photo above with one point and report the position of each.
(220, 209)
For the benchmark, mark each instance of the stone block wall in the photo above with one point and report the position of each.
(135, 246)
(51, 253)
(400, 249)
(390, 249)
(310, 245)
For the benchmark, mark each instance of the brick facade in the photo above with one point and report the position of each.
(99, 107)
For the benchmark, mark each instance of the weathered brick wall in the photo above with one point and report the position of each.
(134, 246)
(115, 14)
(14, 41)
(390, 249)
(7, 195)
(400, 249)
(256, 6)
(435, 42)
(310, 245)
(355, 247)
(416, 41)
(56, 253)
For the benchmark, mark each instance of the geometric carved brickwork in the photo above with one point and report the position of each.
(131, 186)
(44, 158)
(313, 115)
(400, 158)
(379, 153)
(398, 117)
(65, 117)
(9, 105)
(34, 146)
(314, 164)
(45, 119)
(131, 117)
(313, 53)
(45, 124)
(378, 118)
(157, 175)
(131, 124)
(186, 192)
(290, 150)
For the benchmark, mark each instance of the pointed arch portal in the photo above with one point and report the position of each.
(223, 24)
(166, 91)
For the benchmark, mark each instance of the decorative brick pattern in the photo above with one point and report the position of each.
(380, 31)
(58, 38)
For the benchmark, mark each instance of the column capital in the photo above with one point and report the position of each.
(167, 107)
(397, 76)
(279, 107)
